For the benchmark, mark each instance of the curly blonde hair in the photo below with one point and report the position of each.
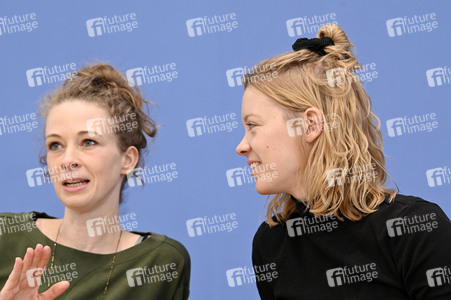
(304, 79)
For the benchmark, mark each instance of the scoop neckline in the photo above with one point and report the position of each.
(131, 252)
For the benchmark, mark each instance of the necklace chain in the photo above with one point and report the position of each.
(112, 263)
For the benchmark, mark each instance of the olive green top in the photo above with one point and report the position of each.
(158, 268)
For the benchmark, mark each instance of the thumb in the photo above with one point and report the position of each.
(55, 291)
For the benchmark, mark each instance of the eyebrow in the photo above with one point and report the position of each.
(247, 117)
(79, 133)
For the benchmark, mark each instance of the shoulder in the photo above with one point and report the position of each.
(171, 247)
(22, 217)
(9, 215)
(411, 225)
(403, 205)
(416, 232)
(31, 214)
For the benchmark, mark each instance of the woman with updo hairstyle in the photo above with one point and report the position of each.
(95, 133)
(333, 230)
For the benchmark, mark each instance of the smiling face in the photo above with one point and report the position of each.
(92, 159)
(266, 142)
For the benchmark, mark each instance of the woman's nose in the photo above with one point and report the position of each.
(243, 147)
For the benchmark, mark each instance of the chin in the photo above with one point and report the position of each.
(73, 202)
(263, 188)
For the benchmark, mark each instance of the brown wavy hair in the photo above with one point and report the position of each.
(102, 84)
(300, 80)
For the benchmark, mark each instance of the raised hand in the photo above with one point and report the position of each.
(22, 283)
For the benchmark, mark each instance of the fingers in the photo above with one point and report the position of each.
(34, 260)
(56, 290)
(45, 257)
(32, 265)
(37, 256)
(14, 277)
(27, 261)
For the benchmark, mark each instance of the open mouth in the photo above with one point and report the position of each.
(75, 182)
(254, 165)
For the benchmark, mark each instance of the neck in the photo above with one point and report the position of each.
(95, 232)
(299, 194)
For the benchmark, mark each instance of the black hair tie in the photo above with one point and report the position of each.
(315, 44)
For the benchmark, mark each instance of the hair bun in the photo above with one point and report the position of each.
(342, 48)
(337, 35)
(102, 75)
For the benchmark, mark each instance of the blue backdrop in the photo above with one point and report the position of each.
(188, 57)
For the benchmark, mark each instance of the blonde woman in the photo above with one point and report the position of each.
(95, 132)
(333, 230)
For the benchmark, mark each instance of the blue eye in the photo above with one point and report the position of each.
(54, 146)
(250, 125)
(89, 143)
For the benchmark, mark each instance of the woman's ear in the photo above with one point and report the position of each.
(314, 124)
(130, 159)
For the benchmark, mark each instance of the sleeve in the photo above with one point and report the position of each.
(422, 250)
(264, 288)
(182, 291)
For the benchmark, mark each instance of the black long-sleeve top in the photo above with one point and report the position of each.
(401, 251)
